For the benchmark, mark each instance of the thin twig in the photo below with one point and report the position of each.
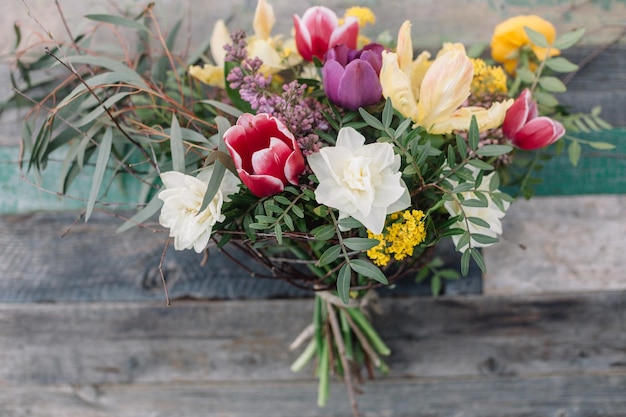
(167, 295)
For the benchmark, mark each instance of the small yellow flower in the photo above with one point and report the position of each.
(363, 14)
(398, 239)
(487, 79)
(510, 36)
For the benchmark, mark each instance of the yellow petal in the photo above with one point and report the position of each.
(444, 88)
(272, 61)
(404, 49)
(212, 75)
(264, 19)
(397, 86)
(450, 46)
(219, 38)
(418, 71)
(486, 118)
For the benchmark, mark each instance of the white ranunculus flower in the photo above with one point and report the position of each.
(182, 198)
(491, 214)
(361, 181)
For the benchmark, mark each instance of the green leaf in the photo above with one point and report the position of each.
(324, 232)
(463, 187)
(574, 151)
(464, 240)
(278, 232)
(537, 38)
(360, 243)
(104, 151)
(349, 223)
(560, 64)
(480, 164)
(435, 286)
(176, 146)
(603, 146)
(568, 40)
(118, 21)
(330, 255)
(478, 222)
(226, 108)
(371, 120)
(552, 84)
(343, 283)
(494, 182)
(494, 150)
(142, 215)
(473, 135)
(526, 75)
(484, 239)
(478, 258)
(368, 269)
(461, 146)
(545, 98)
(387, 113)
(473, 202)
(465, 259)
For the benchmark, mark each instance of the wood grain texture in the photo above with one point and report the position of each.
(52, 257)
(573, 396)
(215, 341)
(456, 356)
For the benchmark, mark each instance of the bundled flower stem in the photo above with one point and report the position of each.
(334, 163)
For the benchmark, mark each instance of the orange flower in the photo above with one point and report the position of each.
(509, 37)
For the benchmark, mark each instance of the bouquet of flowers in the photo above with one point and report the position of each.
(335, 162)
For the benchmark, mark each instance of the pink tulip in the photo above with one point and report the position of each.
(525, 129)
(318, 30)
(265, 153)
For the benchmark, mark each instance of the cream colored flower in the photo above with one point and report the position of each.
(491, 214)
(182, 199)
(361, 181)
(432, 94)
(213, 74)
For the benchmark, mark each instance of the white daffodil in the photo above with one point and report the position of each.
(361, 181)
(182, 200)
(491, 214)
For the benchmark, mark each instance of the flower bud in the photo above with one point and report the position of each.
(350, 76)
(527, 131)
(318, 30)
(265, 153)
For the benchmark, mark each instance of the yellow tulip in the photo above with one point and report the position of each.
(264, 19)
(213, 75)
(509, 37)
(432, 94)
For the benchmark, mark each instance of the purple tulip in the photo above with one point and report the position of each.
(526, 129)
(350, 76)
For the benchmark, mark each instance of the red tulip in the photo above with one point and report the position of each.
(265, 153)
(525, 129)
(318, 30)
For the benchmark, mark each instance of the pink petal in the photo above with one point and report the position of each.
(303, 39)
(346, 34)
(517, 114)
(267, 162)
(538, 133)
(261, 185)
(294, 167)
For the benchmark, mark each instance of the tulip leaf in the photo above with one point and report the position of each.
(343, 283)
(368, 269)
(537, 38)
(569, 39)
(104, 151)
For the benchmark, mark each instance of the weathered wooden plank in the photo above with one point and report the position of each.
(235, 341)
(572, 396)
(40, 262)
